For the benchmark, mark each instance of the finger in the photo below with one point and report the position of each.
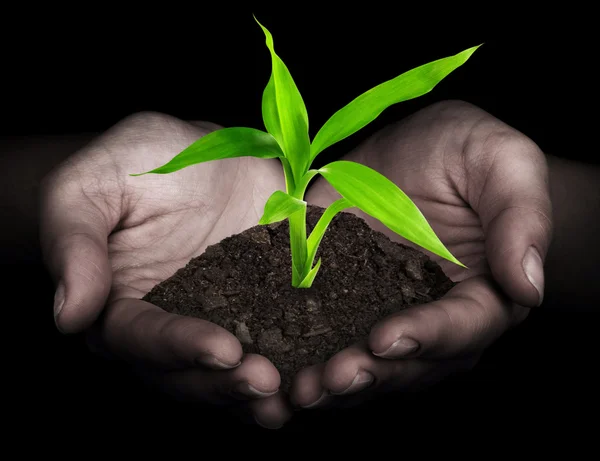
(471, 316)
(73, 240)
(140, 332)
(354, 375)
(307, 390)
(354, 372)
(512, 198)
(255, 378)
(271, 412)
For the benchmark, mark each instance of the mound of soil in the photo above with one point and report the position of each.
(243, 284)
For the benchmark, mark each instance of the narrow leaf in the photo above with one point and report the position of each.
(284, 112)
(295, 275)
(380, 198)
(310, 277)
(221, 144)
(319, 230)
(280, 206)
(368, 106)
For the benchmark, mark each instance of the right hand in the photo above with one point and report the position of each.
(107, 238)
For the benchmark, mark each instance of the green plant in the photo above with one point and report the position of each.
(287, 138)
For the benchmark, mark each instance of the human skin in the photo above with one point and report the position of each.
(487, 191)
(95, 262)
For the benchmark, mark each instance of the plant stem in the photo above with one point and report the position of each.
(298, 245)
(289, 177)
(297, 224)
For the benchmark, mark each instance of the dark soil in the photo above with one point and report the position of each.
(243, 284)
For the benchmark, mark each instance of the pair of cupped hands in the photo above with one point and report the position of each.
(108, 238)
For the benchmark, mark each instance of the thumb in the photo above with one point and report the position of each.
(73, 239)
(516, 214)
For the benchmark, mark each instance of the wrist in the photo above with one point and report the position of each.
(27, 161)
(572, 262)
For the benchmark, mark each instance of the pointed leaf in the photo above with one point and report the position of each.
(280, 206)
(284, 112)
(295, 276)
(221, 144)
(319, 230)
(368, 106)
(380, 198)
(310, 277)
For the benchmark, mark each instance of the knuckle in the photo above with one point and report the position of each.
(448, 328)
(141, 128)
(257, 361)
(432, 324)
(260, 371)
(500, 139)
(204, 336)
(490, 314)
(514, 142)
(145, 120)
(137, 329)
(187, 336)
(172, 331)
(117, 328)
(383, 330)
(148, 128)
(450, 113)
(464, 322)
(453, 106)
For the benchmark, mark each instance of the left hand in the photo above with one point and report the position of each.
(483, 187)
(108, 238)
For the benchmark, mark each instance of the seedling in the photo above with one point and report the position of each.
(286, 137)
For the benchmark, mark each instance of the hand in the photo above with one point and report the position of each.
(108, 238)
(483, 186)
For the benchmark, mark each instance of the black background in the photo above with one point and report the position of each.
(81, 70)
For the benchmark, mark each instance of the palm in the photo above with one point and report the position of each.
(168, 219)
(424, 171)
(175, 219)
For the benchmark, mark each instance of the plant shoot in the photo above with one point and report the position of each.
(287, 138)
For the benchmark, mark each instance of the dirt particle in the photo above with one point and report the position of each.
(242, 333)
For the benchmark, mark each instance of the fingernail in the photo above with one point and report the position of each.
(213, 362)
(534, 270)
(362, 380)
(317, 402)
(246, 390)
(59, 299)
(399, 348)
(266, 426)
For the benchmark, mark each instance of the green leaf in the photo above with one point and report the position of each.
(284, 112)
(310, 277)
(380, 198)
(368, 106)
(319, 230)
(280, 206)
(221, 144)
(295, 275)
